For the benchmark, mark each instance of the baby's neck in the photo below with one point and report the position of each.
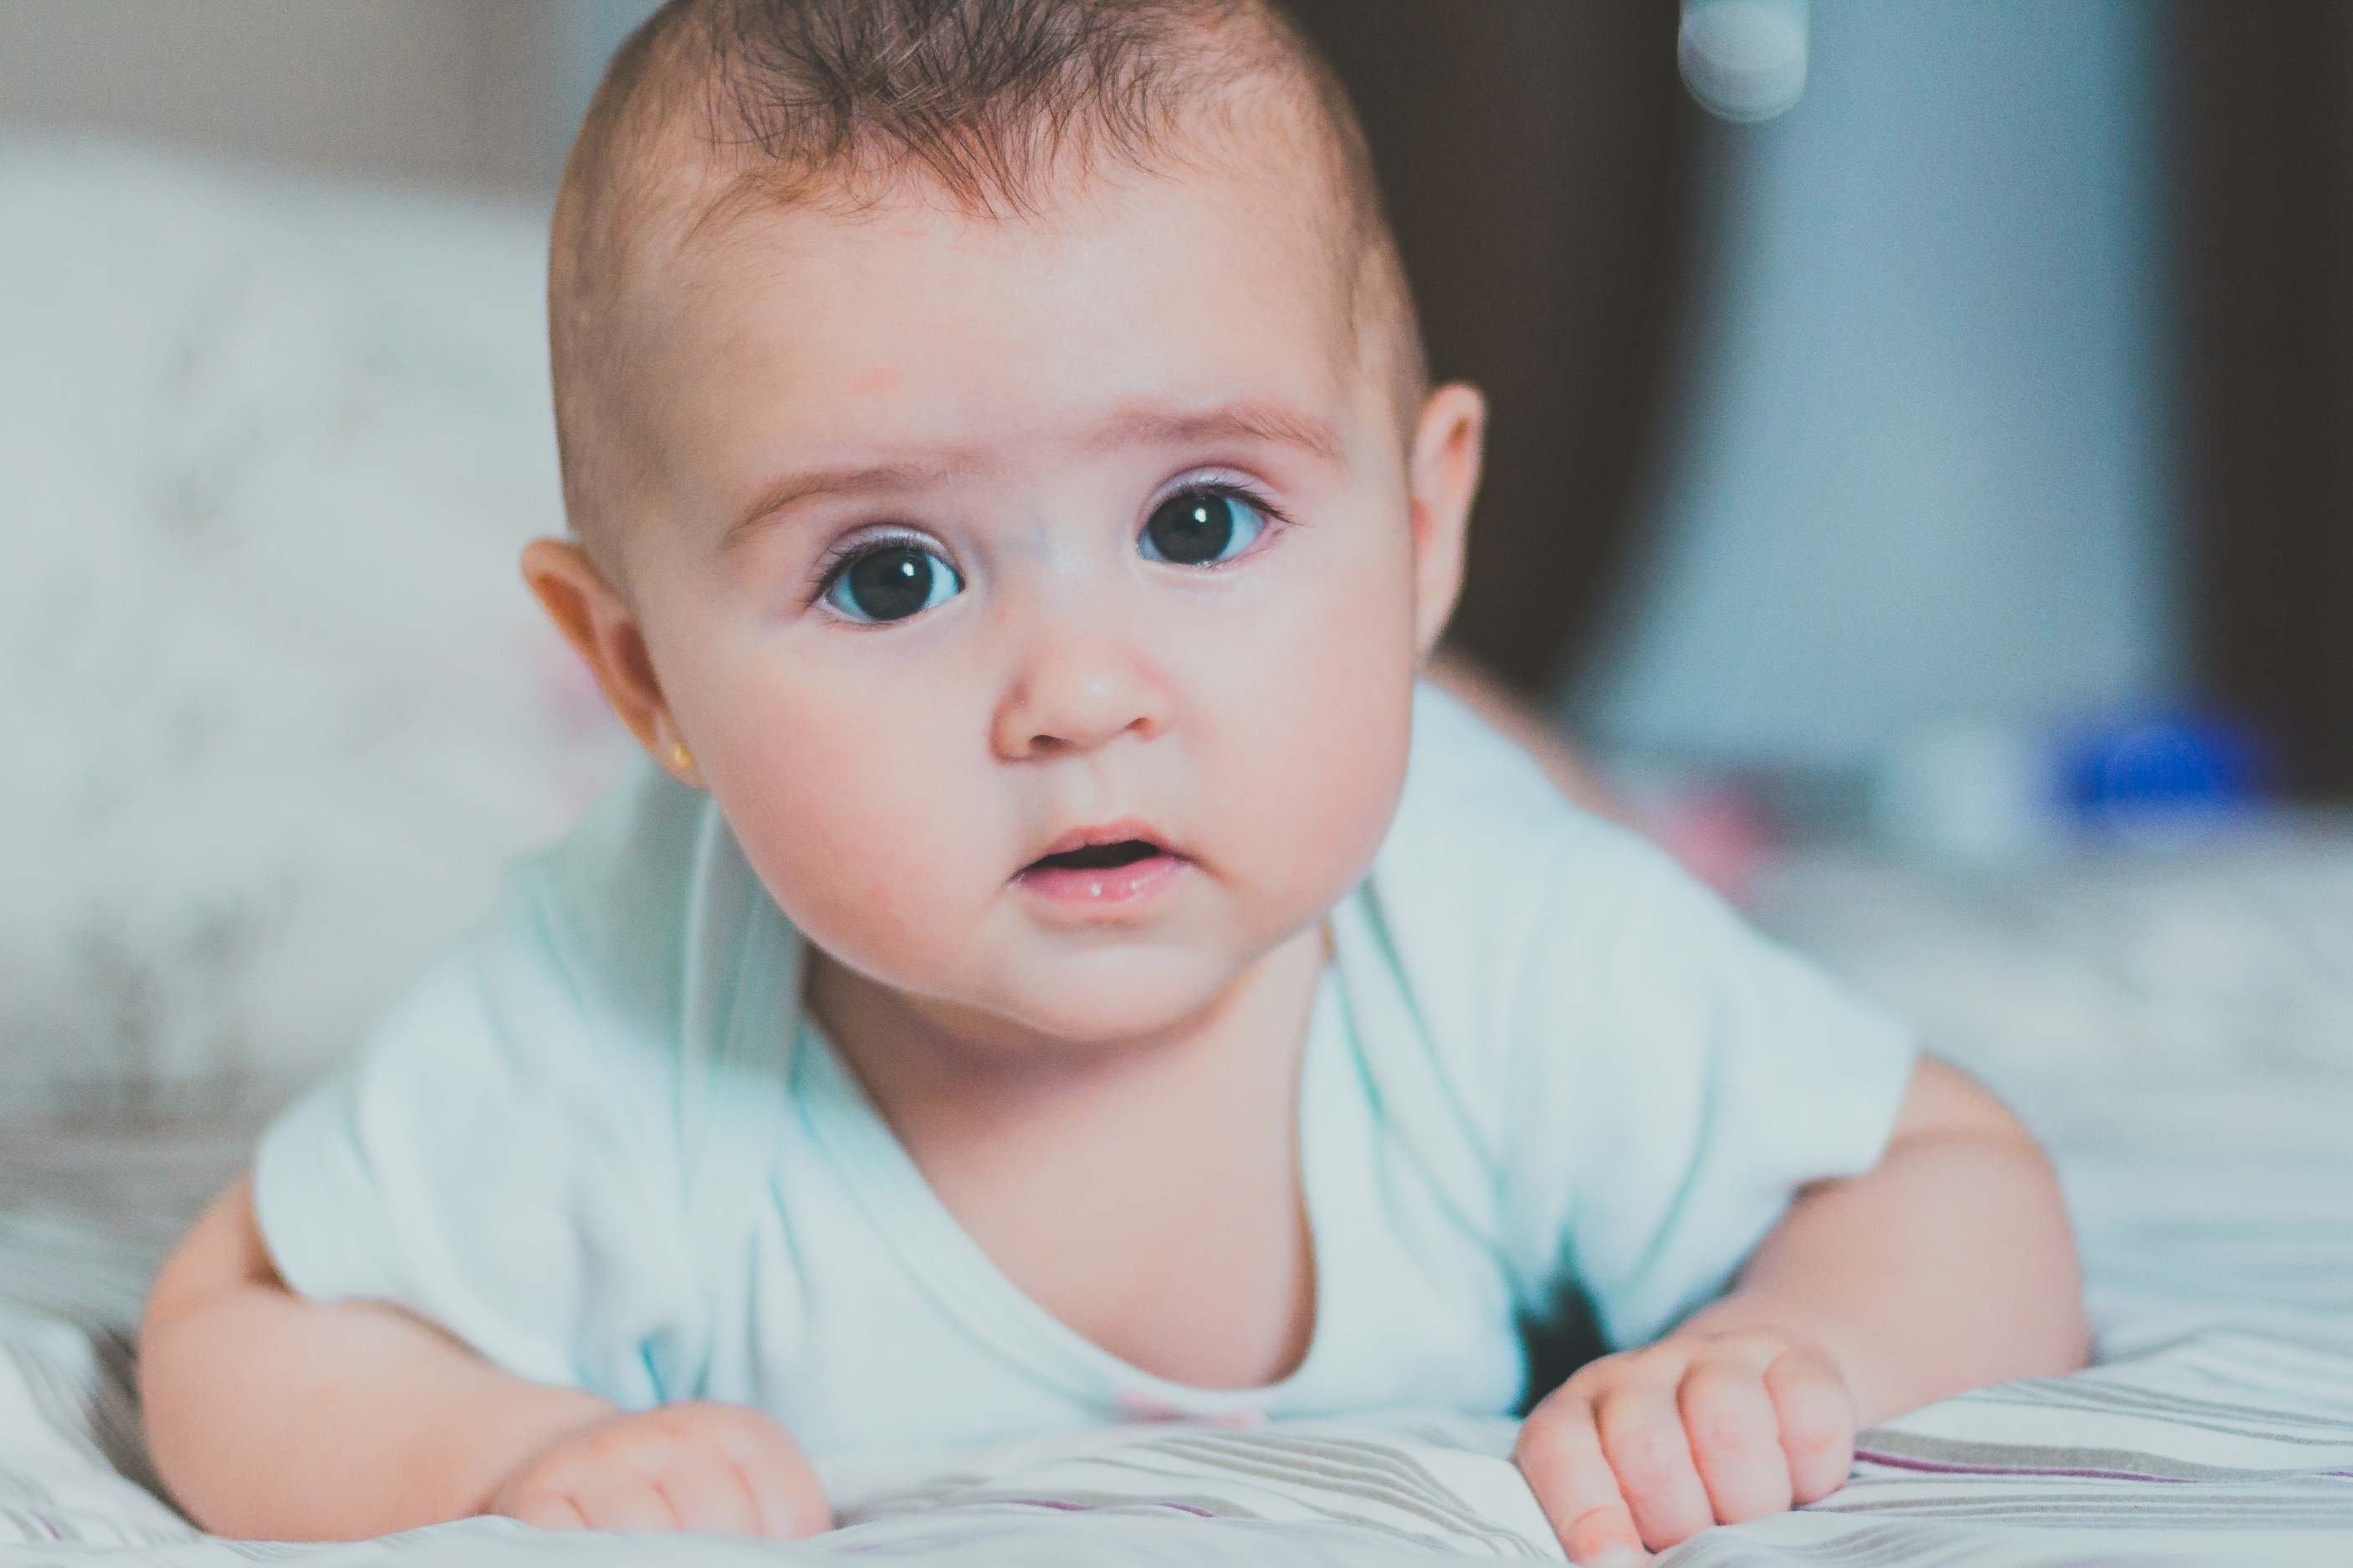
(1147, 1194)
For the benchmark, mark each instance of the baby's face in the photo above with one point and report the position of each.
(1040, 600)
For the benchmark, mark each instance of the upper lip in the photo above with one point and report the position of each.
(1118, 832)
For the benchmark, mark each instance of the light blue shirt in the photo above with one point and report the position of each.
(601, 1143)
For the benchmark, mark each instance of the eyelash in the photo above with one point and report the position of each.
(1231, 489)
(842, 556)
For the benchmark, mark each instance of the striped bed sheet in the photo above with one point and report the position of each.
(2228, 1445)
(2219, 1428)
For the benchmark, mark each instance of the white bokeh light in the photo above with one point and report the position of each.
(1744, 59)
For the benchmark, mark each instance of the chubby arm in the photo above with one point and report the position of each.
(271, 1416)
(1947, 1267)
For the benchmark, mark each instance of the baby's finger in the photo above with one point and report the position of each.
(1816, 1416)
(1736, 1438)
(1643, 1433)
(787, 1502)
(786, 1497)
(548, 1511)
(625, 1502)
(1560, 1453)
(705, 1493)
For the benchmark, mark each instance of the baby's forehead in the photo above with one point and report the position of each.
(733, 235)
(1116, 305)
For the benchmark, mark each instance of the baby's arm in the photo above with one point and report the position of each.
(1949, 1266)
(271, 1416)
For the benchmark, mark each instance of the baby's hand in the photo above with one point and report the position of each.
(681, 1467)
(1648, 1447)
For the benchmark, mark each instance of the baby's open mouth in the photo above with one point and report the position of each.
(1119, 875)
(1098, 856)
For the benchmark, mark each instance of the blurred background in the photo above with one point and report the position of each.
(1993, 396)
(1960, 458)
(1953, 473)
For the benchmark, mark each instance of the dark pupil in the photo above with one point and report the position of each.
(1189, 529)
(890, 584)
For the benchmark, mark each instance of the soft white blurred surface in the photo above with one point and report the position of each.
(2176, 1025)
(2103, 971)
(281, 701)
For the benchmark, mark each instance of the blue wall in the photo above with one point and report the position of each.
(1921, 471)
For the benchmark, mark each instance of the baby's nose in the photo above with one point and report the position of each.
(1075, 692)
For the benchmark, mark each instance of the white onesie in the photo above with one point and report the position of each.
(600, 1142)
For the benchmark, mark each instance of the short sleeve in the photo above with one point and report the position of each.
(1674, 1078)
(1637, 1083)
(501, 1158)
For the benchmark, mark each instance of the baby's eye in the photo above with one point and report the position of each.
(1200, 528)
(891, 584)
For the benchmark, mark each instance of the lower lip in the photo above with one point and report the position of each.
(1111, 888)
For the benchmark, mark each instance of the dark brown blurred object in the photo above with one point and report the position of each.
(2266, 161)
(1539, 159)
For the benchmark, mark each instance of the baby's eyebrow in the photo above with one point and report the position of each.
(869, 480)
(1237, 421)
(1250, 421)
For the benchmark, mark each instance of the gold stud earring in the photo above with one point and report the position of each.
(679, 757)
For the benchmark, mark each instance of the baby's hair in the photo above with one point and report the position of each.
(715, 107)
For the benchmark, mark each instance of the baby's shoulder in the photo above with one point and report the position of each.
(1485, 848)
(578, 983)
(617, 897)
(1520, 926)
(1486, 956)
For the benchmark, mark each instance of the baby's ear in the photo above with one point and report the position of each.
(601, 628)
(1448, 446)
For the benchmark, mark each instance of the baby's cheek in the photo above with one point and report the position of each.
(864, 851)
(1326, 780)
(1351, 719)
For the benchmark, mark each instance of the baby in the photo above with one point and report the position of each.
(1061, 969)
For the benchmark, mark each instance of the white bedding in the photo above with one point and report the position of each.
(2217, 1229)
(2228, 1445)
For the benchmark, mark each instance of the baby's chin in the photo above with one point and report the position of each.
(1109, 998)
(1040, 1001)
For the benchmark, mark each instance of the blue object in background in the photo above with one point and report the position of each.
(1976, 792)
(2164, 767)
